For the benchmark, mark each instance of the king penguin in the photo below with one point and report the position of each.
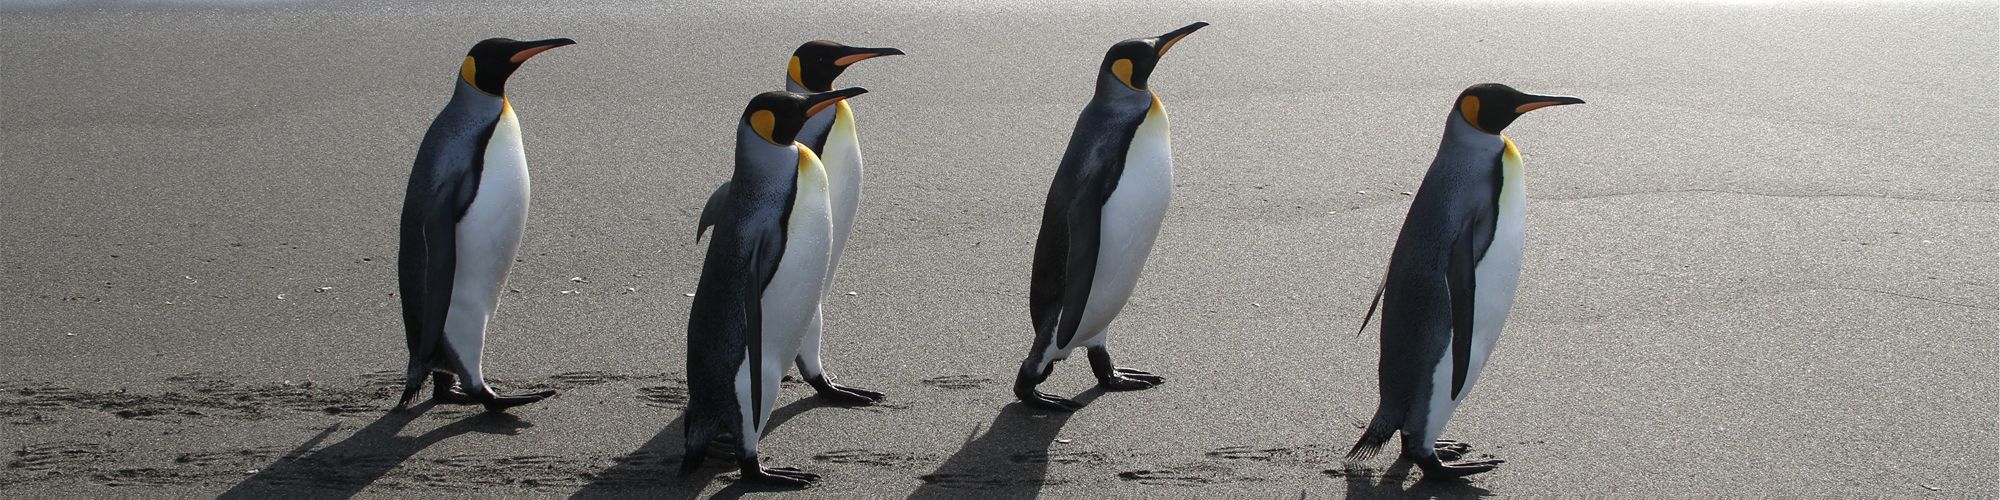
(1451, 279)
(761, 281)
(1103, 212)
(832, 135)
(463, 214)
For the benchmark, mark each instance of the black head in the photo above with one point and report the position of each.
(1132, 61)
(490, 62)
(778, 115)
(816, 63)
(1490, 107)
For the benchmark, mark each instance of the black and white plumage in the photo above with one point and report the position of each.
(1452, 278)
(761, 281)
(1102, 215)
(463, 215)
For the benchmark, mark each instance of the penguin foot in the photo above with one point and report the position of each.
(1434, 469)
(1127, 379)
(453, 395)
(501, 403)
(1049, 402)
(789, 477)
(1450, 451)
(844, 394)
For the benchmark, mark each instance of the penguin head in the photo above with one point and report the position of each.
(1490, 107)
(777, 116)
(816, 63)
(1131, 61)
(492, 60)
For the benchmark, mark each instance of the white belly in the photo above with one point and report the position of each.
(489, 234)
(1130, 222)
(842, 159)
(794, 292)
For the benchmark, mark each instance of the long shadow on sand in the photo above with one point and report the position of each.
(345, 468)
(653, 470)
(1389, 483)
(1011, 460)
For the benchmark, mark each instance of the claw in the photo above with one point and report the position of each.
(789, 477)
(500, 403)
(1433, 469)
(1448, 450)
(1051, 402)
(1127, 383)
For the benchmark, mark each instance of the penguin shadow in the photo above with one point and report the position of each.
(343, 469)
(653, 470)
(1011, 460)
(1363, 482)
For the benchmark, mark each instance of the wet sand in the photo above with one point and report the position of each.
(1760, 261)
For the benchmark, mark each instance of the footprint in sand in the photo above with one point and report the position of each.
(1187, 475)
(964, 481)
(664, 396)
(1059, 457)
(957, 381)
(58, 456)
(866, 457)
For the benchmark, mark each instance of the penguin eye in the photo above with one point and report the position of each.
(764, 122)
(1122, 68)
(1469, 107)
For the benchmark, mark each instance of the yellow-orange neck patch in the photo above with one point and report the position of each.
(470, 72)
(764, 122)
(1469, 108)
(792, 69)
(1122, 69)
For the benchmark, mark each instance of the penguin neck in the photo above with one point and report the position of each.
(1109, 89)
(1459, 134)
(760, 163)
(465, 96)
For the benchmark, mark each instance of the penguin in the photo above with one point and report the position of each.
(463, 215)
(760, 282)
(1102, 214)
(832, 136)
(1451, 279)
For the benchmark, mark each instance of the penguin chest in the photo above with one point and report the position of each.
(793, 294)
(842, 158)
(1497, 275)
(489, 233)
(1131, 220)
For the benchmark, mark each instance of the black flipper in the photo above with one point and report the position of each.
(766, 250)
(1373, 304)
(1460, 274)
(1086, 216)
(713, 212)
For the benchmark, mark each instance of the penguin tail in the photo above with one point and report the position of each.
(414, 383)
(700, 433)
(1379, 431)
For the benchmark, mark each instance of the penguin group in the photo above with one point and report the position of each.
(777, 228)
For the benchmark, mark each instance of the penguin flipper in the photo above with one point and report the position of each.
(1086, 218)
(767, 249)
(1373, 304)
(713, 211)
(1462, 280)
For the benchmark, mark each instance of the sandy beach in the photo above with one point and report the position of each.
(1761, 261)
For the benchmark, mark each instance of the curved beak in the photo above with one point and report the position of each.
(820, 101)
(858, 54)
(1542, 101)
(1167, 41)
(530, 48)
